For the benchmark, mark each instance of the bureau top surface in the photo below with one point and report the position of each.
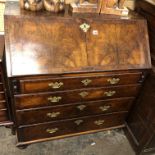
(46, 43)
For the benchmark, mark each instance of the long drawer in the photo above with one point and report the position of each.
(71, 111)
(67, 97)
(66, 83)
(55, 129)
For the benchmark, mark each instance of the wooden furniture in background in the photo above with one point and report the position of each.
(5, 118)
(72, 75)
(115, 7)
(141, 121)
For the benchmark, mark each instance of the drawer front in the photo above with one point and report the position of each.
(70, 111)
(56, 84)
(60, 128)
(3, 115)
(59, 98)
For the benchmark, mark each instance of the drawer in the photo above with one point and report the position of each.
(3, 115)
(71, 111)
(2, 96)
(67, 97)
(2, 105)
(66, 83)
(68, 127)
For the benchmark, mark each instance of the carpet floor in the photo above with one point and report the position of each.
(102, 143)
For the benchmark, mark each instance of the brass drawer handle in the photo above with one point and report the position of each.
(105, 108)
(54, 99)
(110, 93)
(83, 94)
(52, 130)
(55, 85)
(85, 27)
(99, 122)
(53, 114)
(81, 107)
(78, 122)
(113, 80)
(86, 82)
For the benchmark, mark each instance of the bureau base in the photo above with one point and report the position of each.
(24, 145)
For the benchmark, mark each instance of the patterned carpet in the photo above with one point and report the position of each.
(102, 143)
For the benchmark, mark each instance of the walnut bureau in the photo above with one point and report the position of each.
(72, 75)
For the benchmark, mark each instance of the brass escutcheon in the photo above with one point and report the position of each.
(113, 80)
(105, 108)
(99, 122)
(86, 82)
(54, 99)
(53, 114)
(55, 85)
(81, 107)
(110, 93)
(78, 122)
(85, 27)
(52, 130)
(83, 94)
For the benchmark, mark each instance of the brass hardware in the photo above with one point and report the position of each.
(78, 122)
(83, 94)
(55, 85)
(52, 130)
(53, 114)
(99, 122)
(54, 99)
(85, 27)
(113, 80)
(105, 108)
(86, 82)
(110, 93)
(81, 107)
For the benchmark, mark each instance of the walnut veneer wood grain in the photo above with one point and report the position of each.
(103, 47)
(70, 127)
(47, 114)
(67, 83)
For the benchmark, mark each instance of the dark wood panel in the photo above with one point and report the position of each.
(1, 87)
(0, 77)
(137, 126)
(2, 96)
(67, 97)
(71, 111)
(68, 127)
(56, 84)
(2, 104)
